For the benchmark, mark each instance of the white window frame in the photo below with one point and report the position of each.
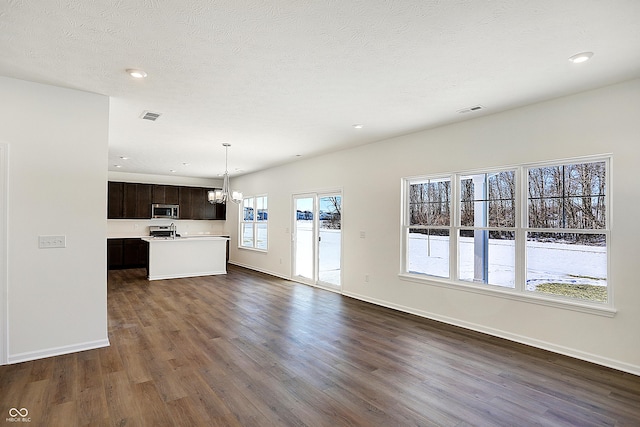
(521, 228)
(254, 223)
(435, 227)
(458, 227)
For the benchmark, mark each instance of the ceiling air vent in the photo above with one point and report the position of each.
(149, 115)
(471, 109)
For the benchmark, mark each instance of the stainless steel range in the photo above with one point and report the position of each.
(165, 231)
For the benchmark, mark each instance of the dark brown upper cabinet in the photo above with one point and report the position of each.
(165, 194)
(198, 201)
(186, 210)
(130, 200)
(115, 200)
(209, 210)
(137, 200)
(221, 213)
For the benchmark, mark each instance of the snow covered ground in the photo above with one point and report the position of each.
(329, 257)
(546, 262)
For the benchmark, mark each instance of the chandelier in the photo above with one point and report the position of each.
(224, 195)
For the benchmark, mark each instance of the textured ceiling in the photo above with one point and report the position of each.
(278, 79)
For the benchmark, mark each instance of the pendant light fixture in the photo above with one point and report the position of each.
(224, 195)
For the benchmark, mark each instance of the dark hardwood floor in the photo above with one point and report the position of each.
(247, 349)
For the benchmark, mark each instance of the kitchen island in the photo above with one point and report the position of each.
(171, 258)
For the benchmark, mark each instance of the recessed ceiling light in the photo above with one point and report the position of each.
(136, 74)
(581, 57)
(124, 157)
(118, 166)
(358, 126)
(185, 164)
(172, 171)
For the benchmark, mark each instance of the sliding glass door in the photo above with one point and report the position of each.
(317, 239)
(304, 238)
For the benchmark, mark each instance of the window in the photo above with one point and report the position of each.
(253, 223)
(532, 230)
(567, 234)
(486, 237)
(429, 219)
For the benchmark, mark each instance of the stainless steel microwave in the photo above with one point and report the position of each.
(165, 211)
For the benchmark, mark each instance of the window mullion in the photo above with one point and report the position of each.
(521, 234)
(454, 227)
(253, 221)
(255, 234)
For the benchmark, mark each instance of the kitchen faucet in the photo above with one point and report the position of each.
(173, 230)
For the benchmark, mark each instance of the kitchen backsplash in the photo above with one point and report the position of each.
(137, 228)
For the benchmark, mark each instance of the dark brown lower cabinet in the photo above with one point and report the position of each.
(127, 253)
(115, 252)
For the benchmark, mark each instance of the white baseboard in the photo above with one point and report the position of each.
(251, 267)
(183, 276)
(56, 351)
(577, 354)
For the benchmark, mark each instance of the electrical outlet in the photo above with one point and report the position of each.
(366, 278)
(363, 235)
(46, 242)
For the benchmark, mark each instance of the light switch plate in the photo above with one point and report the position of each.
(46, 242)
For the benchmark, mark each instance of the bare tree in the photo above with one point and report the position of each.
(568, 197)
(333, 218)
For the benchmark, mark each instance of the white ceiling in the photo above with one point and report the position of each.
(278, 79)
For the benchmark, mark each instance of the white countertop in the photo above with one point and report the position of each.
(183, 239)
(146, 236)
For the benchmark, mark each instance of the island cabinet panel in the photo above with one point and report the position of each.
(166, 194)
(115, 201)
(186, 257)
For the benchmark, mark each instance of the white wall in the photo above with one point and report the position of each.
(164, 179)
(595, 122)
(132, 228)
(57, 142)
